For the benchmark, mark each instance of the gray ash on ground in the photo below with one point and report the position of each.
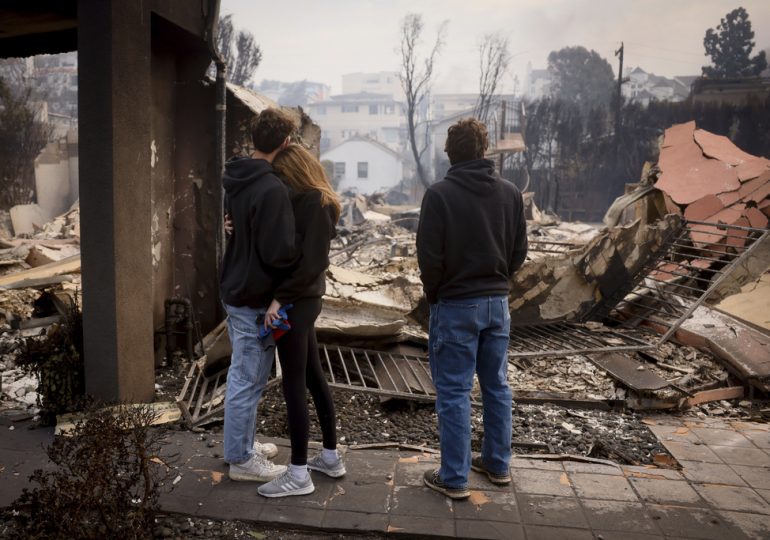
(363, 419)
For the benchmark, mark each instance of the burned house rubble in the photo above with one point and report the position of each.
(642, 314)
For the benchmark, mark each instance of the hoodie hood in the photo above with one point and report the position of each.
(242, 172)
(478, 175)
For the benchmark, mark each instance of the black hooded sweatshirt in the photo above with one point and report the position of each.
(472, 234)
(261, 251)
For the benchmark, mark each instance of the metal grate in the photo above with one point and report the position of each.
(563, 338)
(690, 264)
(388, 374)
(202, 397)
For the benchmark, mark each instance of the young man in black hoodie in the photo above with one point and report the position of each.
(471, 238)
(260, 248)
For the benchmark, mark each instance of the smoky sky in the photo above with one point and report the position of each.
(319, 40)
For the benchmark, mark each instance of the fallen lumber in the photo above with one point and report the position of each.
(717, 394)
(64, 266)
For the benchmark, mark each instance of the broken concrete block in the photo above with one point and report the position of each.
(721, 148)
(28, 218)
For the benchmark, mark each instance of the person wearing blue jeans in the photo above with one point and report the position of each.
(471, 239)
(250, 365)
(257, 205)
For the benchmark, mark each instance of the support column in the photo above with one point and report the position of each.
(115, 194)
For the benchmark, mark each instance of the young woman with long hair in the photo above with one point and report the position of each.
(316, 211)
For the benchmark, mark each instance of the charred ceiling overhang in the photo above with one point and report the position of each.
(40, 27)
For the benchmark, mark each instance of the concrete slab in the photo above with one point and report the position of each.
(549, 510)
(601, 486)
(666, 492)
(739, 499)
(711, 473)
(693, 523)
(542, 482)
(691, 452)
(722, 437)
(756, 477)
(733, 455)
(488, 506)
(562, 533)
(488, 530)
(619, 516)
(755, 526)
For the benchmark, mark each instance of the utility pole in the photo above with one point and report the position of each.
(502, 135)
(619, 53)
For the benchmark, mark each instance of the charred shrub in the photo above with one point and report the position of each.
(57, 362)
(105, 483)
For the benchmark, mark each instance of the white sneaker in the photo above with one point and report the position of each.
(257, 469)
(268, 449)
(335, 469)
(285, 486)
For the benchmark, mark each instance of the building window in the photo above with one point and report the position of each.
(372, 109)
(349, 108)
(339, 170)
(363, 169)
(389, 109)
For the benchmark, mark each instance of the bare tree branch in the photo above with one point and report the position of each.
(416, 81)
(494, 59)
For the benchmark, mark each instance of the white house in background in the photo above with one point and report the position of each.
(364, 165)
(382, 82)
(643, 87)
(377, 116)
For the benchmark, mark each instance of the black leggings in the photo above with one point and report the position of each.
(301, 369)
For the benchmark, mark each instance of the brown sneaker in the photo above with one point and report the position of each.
(496, 478)
(433, 481)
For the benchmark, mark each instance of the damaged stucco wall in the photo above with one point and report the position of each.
(568, 287)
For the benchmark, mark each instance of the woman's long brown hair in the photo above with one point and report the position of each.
(303, 172)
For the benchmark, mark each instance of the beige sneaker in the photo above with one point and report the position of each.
(268, 449)
(257, 469)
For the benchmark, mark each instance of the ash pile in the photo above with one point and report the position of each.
(39, 289)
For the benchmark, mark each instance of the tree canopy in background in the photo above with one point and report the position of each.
(581, 76)
(729, 45)
(239, 50)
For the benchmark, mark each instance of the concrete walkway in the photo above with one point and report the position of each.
(723, 491)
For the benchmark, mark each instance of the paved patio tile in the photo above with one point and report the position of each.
(361, 496)
(625, 535)
(548, 510)
(619, 516)
(742, 456)
(539, 532)
(292, 515)
(541, 464)
(602, 486)
(666, 491)
(691, 452)
(755, 526)
(421, 525)
(420, 501)
(740, 499)
(592, 468)
(680, 434)
(362, 465)
(342, 520)
(189, 505)
(711, 473)
(722, 437)
(636, 471)
(488, 530)
(760, 438)
(542, 482)
(410, 473)
(765, 494)
(756, 477)
(488, 506)
(692, 523)
(216, 508)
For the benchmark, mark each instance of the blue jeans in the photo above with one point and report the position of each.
(250, 365)
(467, 335)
